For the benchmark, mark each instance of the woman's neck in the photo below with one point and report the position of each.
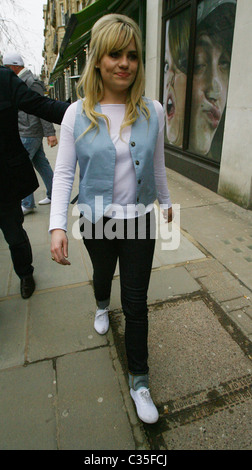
(114, 98)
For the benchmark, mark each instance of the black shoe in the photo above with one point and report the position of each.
(27, 286)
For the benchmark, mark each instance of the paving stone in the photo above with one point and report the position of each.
(236, 304)
(62, 322)
(89, 402)
(222, 220)
(49, 274)
(204, 268)
(216, 281)
(189, 350)
(27, 413)
(248, 311)
(13, 326)
(229, 292)
(165, 283)
(243, 320)
(186, 251)
(5, 270)
(228, 429)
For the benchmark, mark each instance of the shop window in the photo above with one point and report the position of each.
(169, 4)
(175, 75)
(195, 91)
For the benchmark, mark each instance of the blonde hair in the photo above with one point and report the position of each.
(179, 33)
(112, 32)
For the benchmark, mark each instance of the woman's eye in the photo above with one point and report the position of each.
(133, 56)
(114, 55)
(225, 64)
(199, 66)
(166, 67)
(183, 65)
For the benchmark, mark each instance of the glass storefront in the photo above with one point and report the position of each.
(175, 76)
(197, 45)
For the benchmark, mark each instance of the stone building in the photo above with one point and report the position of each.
(56, 18)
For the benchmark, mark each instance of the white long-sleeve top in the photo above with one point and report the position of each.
(124, 189)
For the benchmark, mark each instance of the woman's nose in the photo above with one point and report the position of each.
(172, 78)
(214, 89)
(123, 61)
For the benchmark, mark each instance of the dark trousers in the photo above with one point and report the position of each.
(11, 224)
(135, 262)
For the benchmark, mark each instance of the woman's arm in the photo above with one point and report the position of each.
(163, 194)
(62, 187)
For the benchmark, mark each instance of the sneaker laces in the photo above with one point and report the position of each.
(145, 395)
(100, 313)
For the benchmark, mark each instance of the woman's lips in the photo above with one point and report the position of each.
(170, 107)
(213, 115)
(123, 74)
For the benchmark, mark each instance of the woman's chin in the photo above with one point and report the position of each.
(200, 146)
(174, 139)
(175, 133)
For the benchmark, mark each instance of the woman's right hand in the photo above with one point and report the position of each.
(59, 246)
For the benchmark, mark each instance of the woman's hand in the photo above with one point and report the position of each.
(167, 213)
(59, 246)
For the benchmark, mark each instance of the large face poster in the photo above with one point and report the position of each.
(214, 37)
(175, 76)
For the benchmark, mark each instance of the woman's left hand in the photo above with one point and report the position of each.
(167, 213)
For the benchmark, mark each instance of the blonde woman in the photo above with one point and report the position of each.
(117, 137)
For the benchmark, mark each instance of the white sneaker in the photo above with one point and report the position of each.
(101, 323)
(145, 407)
(45, 201)
(27, 210)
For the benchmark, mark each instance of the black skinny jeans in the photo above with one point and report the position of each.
(11, 224)
(135, 263)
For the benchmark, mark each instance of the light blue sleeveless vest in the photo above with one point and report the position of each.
(96, 155)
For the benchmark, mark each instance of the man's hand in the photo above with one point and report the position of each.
(52, 140)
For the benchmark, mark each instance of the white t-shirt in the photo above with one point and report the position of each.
(124, 189)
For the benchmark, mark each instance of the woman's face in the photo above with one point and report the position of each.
(174, 100)
(209, 95)
(118, 71)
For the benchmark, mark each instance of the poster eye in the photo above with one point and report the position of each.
(166, 67)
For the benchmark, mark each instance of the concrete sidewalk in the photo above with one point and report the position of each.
(62, 386)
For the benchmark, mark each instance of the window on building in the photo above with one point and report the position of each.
(62, 14)
(79, 5)
(198, 36)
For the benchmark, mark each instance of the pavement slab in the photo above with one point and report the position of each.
(226, 236)
(227, 429)
(61, 322)
(13, 330)
(27, 411)
(189, 350)
(89, 403)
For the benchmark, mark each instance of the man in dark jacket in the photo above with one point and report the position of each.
(17, 176)
(32, 129)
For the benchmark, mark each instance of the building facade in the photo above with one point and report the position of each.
(56, 18)
(198, 65)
